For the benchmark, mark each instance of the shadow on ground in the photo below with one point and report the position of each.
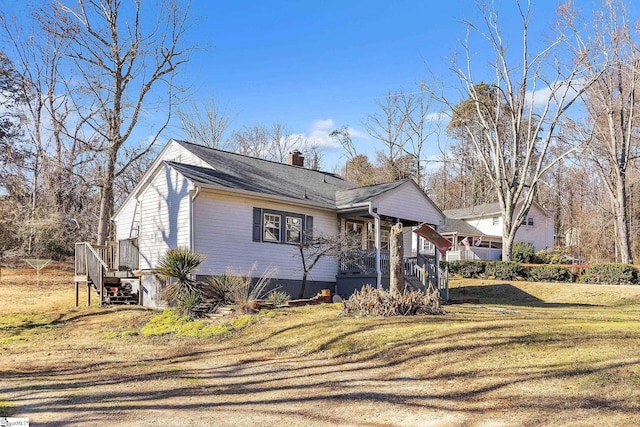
(504, 293)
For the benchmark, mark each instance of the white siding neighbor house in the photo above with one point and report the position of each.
(476, 232)
(247, 215)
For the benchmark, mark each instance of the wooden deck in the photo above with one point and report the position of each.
(109, 270)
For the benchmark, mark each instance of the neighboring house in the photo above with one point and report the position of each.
(476, 232)
(247, 215)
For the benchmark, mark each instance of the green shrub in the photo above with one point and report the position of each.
(469, 269)
(550, 273)
(505, 270)
(523, 252)
(610, 274)
(553, 256)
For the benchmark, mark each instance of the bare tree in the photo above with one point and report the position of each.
(122, 65)
(612, 126)
(418, 128)
(387, 127)
(311, 249)
(343, 137)
(528, 100)
(270, 143)
(206, 125)
(54, 150)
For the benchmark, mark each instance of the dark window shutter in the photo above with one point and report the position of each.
(308, 228)
(257, 224)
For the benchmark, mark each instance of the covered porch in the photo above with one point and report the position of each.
(474, 247)
(369, 213)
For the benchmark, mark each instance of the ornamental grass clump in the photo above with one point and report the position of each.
(379, 302)
(247, 295)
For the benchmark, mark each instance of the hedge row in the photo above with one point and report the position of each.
(600, 273)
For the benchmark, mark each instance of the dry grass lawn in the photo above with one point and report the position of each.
(528, 354)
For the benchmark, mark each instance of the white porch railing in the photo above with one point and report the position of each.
(486, 254)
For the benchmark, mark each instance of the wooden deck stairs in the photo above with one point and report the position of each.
(108, 270)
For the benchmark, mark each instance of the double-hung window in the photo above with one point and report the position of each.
(294, 229)
(272, 226)
(280, 227)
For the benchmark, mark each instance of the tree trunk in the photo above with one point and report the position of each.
(303, 286)
(396, 261)
(622, 221)
(507, 236)
(106, 201)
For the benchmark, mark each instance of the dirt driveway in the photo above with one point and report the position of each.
(62, 366)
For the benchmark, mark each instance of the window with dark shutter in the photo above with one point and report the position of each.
(281, 227)
(257, 224)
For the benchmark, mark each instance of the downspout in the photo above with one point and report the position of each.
(192, 220)
(376, 217)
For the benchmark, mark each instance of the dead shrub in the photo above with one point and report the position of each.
(379, 302)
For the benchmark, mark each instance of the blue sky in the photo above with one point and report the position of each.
(317, 65)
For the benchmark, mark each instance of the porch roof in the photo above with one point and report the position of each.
(459, 226)
(476, 211)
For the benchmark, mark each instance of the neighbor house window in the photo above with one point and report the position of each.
(496, 220)
(530, 221)
(280, 227)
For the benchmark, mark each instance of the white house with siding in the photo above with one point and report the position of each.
(476, 232)
(247, 215)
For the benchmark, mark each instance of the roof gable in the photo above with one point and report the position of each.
(484, 210)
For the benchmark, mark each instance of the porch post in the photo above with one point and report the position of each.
(378, 269)
(373, 212)
(437, 268)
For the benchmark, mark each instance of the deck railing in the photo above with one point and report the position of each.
(364, 262)
(128, 255)
(90, 262)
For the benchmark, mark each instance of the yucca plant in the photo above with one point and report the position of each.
(180, 264)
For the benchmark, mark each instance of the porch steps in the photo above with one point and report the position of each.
(118, 292)
(412, 283)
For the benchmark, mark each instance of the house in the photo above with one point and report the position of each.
(476, 232)
(248, 215)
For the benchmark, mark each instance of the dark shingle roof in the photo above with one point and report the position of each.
(474, 211)
(360, 195)
(459, 226)
(236, 171)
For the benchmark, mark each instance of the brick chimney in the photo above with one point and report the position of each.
(295, 158)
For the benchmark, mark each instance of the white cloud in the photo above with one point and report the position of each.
(541, 97)
(318, 134)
